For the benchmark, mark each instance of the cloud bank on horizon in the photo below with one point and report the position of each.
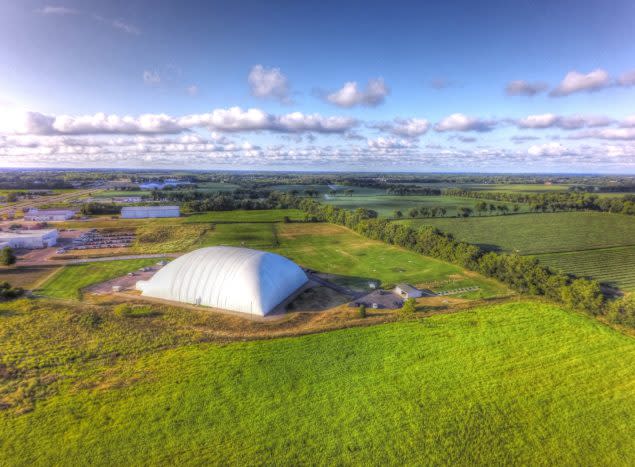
(367, 105)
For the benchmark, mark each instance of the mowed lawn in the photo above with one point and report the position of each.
(582, 243)
(515, 384)
(358, 260)
(386, 205)
(69, 280)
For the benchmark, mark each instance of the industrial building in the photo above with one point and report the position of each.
(238, 279)
(140, 212)
(407, 291)
(47, 215)
(28, 239)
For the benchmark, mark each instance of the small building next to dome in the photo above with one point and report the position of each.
(238, 279)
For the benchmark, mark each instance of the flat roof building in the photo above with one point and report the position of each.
(407, 291)
(29, 239)
(140, 212)
(47, 215)
(238, 279)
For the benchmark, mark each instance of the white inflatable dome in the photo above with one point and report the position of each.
(238, 279)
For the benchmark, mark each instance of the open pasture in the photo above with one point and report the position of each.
(387, 205)
(509, 384)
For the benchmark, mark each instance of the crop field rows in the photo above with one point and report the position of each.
(615, 266)
(588, 244)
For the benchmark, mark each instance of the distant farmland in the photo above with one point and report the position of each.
(386, 205)
(582, 243)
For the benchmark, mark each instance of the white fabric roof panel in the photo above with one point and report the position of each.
(238, 279)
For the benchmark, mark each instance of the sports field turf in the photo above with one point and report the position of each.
(515, 384)
(69, 280)
(386, 205)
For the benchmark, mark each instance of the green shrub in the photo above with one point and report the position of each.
(622, 311)
(7, 257)
(362, 311)
(134, 311)
(409, 306)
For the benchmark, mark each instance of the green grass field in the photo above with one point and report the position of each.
(386, 205)
(120, 193)
(582, 239)
(69, 280)
(515, 384)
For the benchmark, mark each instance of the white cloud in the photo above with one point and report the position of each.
(404, 127)
(573, 122)
(461, 122)
(269, 83)
(627, 79)
(524, 88)
(57, 10)
(628, 122)
(606, 133)
(577, 82)
(548, 149)
(233, 119)
(388, 143)
(192, 90)
(350, 95)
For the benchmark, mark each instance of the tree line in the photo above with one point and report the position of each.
(524, 274)
(552, 202)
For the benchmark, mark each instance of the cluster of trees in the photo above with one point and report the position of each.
(405, 190)
(423, 211)
(7, 257)
(545, 202)
(8, 293)
(617, 188)
(521, 273)
(95, 208)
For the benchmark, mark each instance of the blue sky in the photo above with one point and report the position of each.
(416, 86)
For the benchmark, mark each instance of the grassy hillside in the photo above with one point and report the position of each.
(521, 383)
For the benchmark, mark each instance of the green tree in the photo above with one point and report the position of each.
(362, 311)
(7, 257)
(398, 214)
(409, 306)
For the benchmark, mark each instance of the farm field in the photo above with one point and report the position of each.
(386, 205)
(216, 186)
(325, 189)
(614, 266)
(540, 233)
(25, 276)
(582, 243)
(68, 282)
(120, 193)
(509, 384)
